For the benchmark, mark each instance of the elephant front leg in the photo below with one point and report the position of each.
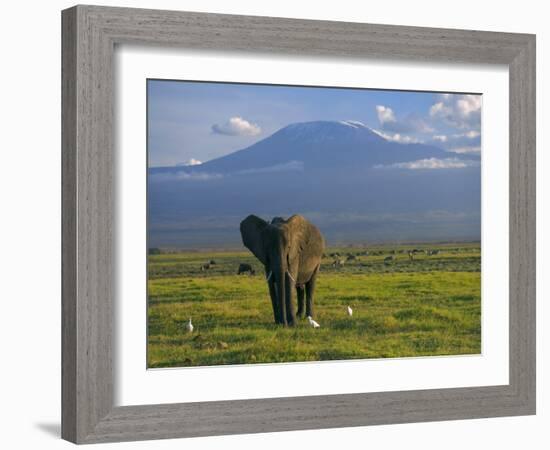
(301, 305)
(274, 303)
(289, 287)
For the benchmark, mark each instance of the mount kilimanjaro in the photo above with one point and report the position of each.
(356, 185)
(318, 145)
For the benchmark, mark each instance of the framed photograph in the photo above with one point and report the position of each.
(277, 224)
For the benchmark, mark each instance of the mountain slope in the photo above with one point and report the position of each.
(316, 145)
(328, 171)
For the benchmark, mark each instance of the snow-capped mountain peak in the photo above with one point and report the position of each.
(320, 144)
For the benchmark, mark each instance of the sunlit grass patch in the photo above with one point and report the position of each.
(425, 307)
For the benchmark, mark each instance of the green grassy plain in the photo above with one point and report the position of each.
(425, 307)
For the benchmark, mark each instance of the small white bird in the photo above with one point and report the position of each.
(313, 323)
(189, 327)
(350, 311)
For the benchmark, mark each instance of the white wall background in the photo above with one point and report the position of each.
(30, 229)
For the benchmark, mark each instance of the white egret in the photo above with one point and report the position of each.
(189, 327)
(313, 323)
(350, 311)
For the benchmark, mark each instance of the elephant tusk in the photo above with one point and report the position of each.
(269, 275)
(290, 276)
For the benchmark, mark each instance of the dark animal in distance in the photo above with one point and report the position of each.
(212, 262)
(291, 252)
(205, 266)
(245, 268)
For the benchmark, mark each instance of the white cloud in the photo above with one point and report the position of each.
(185, 176)
(468, 104)
(467, 142)
(291, 165)
(472, 134)
(459, 111)
(385, 114)
(439, 109)
(397, 137)
(237, 126)
(412, 123)
(440, 138)
(431, 163)
(472, 149)
(205, 176)
(190, 162)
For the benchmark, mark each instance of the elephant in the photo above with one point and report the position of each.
(244, 267)
(291, 252)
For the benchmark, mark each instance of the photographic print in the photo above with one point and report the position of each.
(299, 223)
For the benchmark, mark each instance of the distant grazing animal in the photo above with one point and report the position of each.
(388, 259)
(244, 268)
(313, 323)
(189, 327)
(291, 252)
(350, 311)
(338, 262)
(351, 258)
(432, 252)
(205, 266)
(212, 262)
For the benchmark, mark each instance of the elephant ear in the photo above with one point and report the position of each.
(251, 233)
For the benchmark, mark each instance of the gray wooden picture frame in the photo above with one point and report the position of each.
(90, 34)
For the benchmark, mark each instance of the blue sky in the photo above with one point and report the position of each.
(193, 122)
